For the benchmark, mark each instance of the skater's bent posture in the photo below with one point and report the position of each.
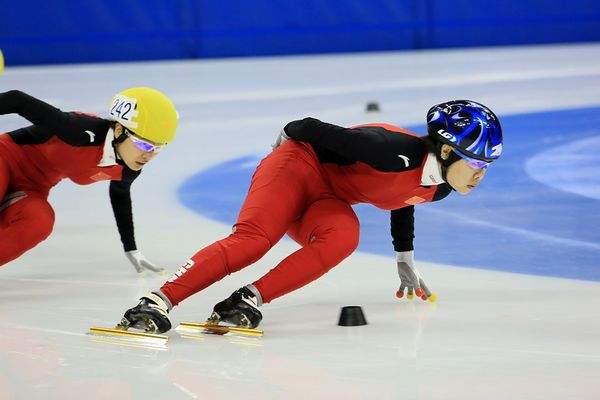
(306, 187)
(83, 148)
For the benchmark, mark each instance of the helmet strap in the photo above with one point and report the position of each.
(118, 140)
(452, 158)
(435, 146)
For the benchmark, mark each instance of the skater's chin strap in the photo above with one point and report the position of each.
(119, 140)
(445, 163)
(452, 158)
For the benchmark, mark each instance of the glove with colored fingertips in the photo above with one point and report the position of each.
(411, 280)
(141, 263)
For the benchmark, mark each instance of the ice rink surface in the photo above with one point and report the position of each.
(492, 334)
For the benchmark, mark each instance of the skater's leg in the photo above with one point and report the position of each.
(26, 219)
(277, 196)
(328, 232)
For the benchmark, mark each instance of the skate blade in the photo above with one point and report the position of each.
(124, 337)
(217, 329)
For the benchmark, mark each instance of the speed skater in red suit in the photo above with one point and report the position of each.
(83, 148)
(319, 170)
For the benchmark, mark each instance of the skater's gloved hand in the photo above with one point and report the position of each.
(141, 263)
(280, 139)
(411, 279)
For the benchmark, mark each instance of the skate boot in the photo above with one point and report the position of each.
(240, 309)
(150, 315)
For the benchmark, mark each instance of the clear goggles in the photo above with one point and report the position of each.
(473, 162)
(144, 145)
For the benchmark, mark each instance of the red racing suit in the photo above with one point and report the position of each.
(34, 159)
(305, 188)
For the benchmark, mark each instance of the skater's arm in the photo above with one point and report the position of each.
(411, 280)
(73, 128)
(120, 199)
(403, 228)
(373, 145)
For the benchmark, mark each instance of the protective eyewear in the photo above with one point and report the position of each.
(144, 145)
(473, 162)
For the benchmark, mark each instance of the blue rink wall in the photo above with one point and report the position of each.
(537, 212)
(61, 31)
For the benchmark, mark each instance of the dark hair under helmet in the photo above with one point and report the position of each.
(472, 129)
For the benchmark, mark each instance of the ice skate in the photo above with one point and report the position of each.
(240, 309)
(146, 319)
(150, 315)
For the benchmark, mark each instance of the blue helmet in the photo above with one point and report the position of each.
(470, 128)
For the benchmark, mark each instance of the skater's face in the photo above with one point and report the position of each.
(461, 176)
(134, 157)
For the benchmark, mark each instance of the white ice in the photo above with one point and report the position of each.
(491, 335)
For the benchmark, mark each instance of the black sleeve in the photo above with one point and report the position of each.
(403, 228)
(76, 129)
(382, 149)
(120, 199)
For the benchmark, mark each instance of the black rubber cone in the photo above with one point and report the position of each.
(352, 316)
(372, 106)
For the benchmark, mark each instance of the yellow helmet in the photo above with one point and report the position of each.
(146, 112)
(1, 62)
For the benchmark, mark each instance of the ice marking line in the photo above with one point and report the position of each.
(33, 328)
(541, 352)
(569, 167)
(519, 231)
(412, 83)
(70, 281)
(552, 353)
(185, 390)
